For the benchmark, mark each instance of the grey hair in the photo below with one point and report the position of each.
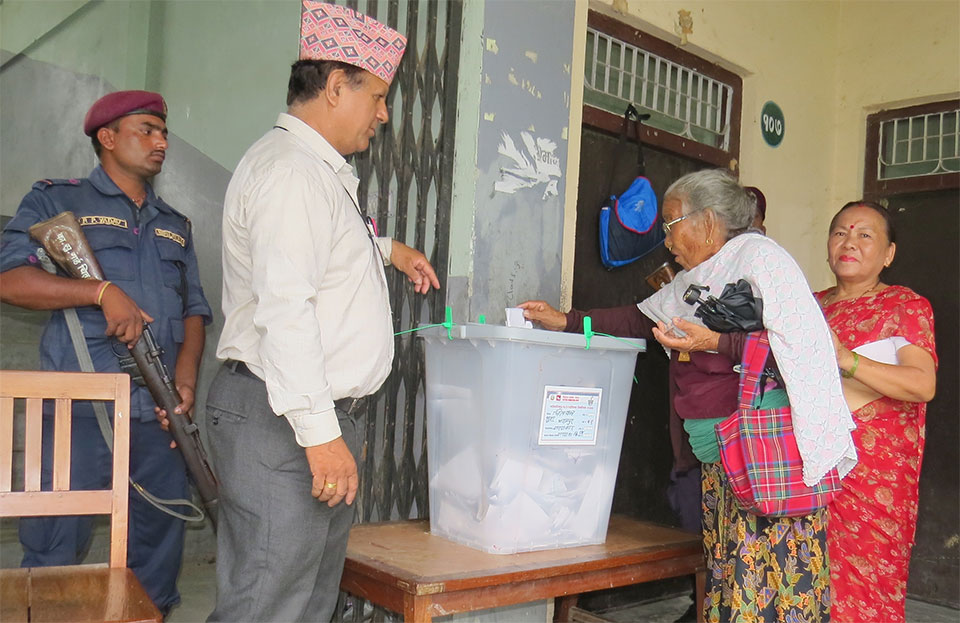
(719, 191)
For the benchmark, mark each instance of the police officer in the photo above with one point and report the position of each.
(146, 252)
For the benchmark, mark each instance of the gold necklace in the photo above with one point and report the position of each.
(833, 295)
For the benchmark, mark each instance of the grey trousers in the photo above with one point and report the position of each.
(280, 552)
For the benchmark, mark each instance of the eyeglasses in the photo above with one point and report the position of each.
(667, 226)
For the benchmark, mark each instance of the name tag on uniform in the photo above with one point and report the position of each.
(171, 235)
(112, 221)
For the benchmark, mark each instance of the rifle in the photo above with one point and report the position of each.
(64, 241)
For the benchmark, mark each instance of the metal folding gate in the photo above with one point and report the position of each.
(405, 183)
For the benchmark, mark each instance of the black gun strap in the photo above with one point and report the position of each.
(83, 354)
(100, 409)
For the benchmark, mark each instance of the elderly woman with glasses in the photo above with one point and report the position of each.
(758, 568)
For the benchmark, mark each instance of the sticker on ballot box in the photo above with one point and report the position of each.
(570, 416)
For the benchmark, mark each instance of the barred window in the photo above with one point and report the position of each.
(680, 100)
(919, 145)
(913, 149)
(694, 103)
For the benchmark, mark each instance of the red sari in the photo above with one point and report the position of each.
(873, 520)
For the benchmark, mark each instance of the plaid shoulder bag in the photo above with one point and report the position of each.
(759, 450)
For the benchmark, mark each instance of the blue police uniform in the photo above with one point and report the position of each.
(148, 252)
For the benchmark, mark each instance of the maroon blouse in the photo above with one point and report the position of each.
(706, 386)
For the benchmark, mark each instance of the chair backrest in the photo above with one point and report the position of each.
(63, 388)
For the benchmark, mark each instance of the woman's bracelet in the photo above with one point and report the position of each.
(103, 287)
(848, 374)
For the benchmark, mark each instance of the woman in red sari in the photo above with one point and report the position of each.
(886, 353)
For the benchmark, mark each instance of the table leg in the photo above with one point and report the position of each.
(563, 604)
(701, 593)
(416, 608)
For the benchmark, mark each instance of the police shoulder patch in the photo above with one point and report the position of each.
(172, 210)
(45, 184)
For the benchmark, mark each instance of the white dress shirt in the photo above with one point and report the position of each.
(304, 293)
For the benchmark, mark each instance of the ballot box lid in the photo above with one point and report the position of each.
(476, 331)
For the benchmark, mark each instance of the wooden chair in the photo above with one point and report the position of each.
(79, 592)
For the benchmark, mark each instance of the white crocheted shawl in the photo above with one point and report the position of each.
(799, 337)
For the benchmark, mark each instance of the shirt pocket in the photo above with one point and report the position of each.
(176, 330)
(115, 250)
(93, 322)
(173, 267)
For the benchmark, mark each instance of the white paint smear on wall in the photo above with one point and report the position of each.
(537, 164)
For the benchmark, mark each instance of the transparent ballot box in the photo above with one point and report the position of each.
(524, 429)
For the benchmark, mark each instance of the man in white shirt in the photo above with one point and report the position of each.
(308, 327)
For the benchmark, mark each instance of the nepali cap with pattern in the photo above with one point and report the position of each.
(329, 32)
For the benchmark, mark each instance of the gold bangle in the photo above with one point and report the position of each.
(848, 374)
(103, 287)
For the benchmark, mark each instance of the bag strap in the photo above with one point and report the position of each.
(755, 353)
(638, 119)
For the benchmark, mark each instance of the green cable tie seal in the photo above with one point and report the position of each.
(426, 326)
(587, 330)
(448, 321)
(620, 339)
(481, 319)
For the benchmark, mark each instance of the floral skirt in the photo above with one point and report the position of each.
(762, 568)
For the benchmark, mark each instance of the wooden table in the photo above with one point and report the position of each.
(402, 567)
(75, 593)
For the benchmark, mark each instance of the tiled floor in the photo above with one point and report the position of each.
(198, 593)
(198, 590)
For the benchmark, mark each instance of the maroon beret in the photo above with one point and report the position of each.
(120, 104)
(761, 200)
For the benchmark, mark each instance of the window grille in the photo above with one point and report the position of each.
(919, 145)
(680, 100)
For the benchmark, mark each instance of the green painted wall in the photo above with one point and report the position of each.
(223, 68)
(23, 23)
(105, 38)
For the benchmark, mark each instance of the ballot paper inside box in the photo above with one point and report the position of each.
(524, 429)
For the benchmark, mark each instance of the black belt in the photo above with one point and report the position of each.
(347, 405)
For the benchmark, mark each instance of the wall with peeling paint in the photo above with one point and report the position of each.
(788, 52)
(521, 154)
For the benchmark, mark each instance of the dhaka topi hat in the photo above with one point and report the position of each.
(329, 32)
(112, 106)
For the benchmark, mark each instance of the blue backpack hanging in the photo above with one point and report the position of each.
(629, 223)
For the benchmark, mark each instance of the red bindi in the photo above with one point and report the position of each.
(851, 227)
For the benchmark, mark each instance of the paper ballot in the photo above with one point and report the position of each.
(515, 318)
